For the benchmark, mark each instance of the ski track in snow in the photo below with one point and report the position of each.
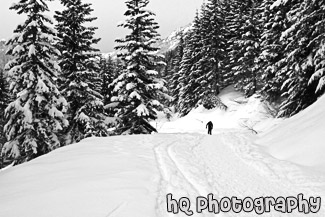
(225, 164)
(181, 173)
(274, 168)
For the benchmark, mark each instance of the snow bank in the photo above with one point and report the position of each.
(97, 177)
(299, 139)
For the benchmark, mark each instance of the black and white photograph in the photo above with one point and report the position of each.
(162, 108)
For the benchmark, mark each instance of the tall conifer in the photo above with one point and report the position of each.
(80, 77)
(138, 87)
(36, 113)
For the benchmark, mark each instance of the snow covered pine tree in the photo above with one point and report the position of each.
(138, 86)
(246, 45)
(188, 72)
(272, 59)
(4, 99)
(304, 67)
(174, 84)
(107, 74)
(36, 114)
(80, 78)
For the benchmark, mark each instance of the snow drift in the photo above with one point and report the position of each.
(299, 139)
(93, 178)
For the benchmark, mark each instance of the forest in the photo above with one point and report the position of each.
(57, 89)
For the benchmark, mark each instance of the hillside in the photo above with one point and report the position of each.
(171, 42)
(131, 175)
(299, 139)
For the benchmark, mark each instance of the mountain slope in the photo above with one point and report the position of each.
(167, 44)
(300, 139)
(171, 42)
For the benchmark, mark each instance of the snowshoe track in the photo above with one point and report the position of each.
(226, 165)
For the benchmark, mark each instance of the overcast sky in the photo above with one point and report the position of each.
(171, 14)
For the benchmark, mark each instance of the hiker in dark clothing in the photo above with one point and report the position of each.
(210, 127)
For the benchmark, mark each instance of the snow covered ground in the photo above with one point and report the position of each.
(300, 139)
(131, 175)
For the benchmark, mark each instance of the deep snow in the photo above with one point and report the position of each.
(131, 175)
(300, 139)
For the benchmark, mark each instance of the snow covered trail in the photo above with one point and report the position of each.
(131, 176)
(182, 174)
(226, 165)
(241, 170)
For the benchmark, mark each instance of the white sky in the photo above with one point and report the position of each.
(171, 14)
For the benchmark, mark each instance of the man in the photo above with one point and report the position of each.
(210, 127)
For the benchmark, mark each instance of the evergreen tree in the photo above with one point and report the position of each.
(246, 45)
(80, 78)
(138, 87)
(202, 67)
(174, 83)
(319, 74)
(202, 72)
(234, 22)
(314, 13)
(4, 100)
(168, 69)
(4, 95)
(108, 75)
(302, 41)
(273, 49)
(229, 35)
(214, 45)
(189, 71)
(36, 114)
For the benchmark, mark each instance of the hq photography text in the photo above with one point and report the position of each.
(259, 205)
